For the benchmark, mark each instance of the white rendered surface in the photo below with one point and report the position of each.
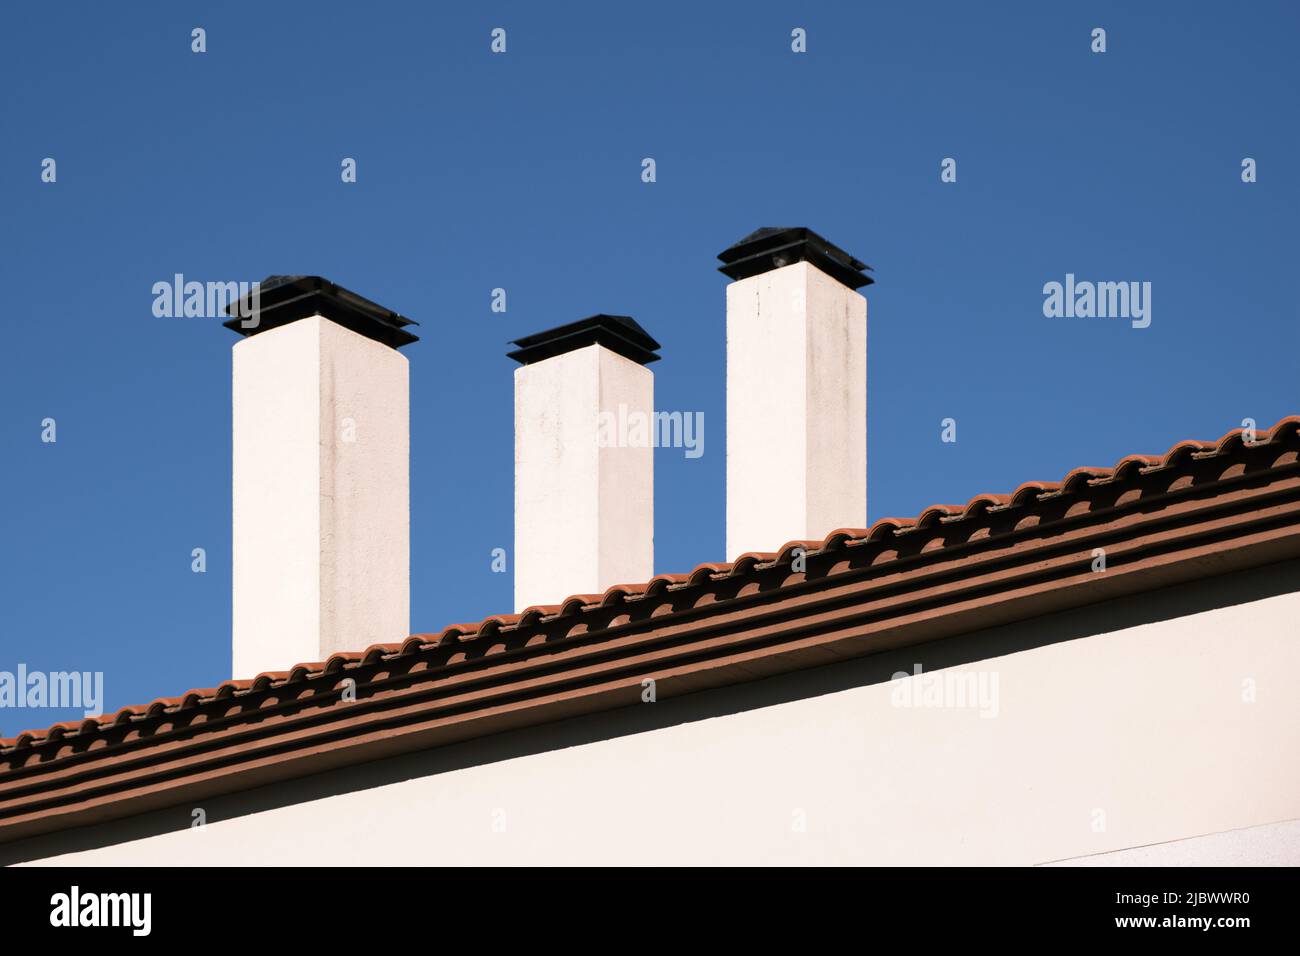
(796, 408)
(1120, 740)
(584, 514)
(321, 488)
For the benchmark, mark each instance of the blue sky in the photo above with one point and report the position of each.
(522, 171)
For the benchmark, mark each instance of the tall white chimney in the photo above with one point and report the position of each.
(321, 418)
(796, 390)
(584, 459)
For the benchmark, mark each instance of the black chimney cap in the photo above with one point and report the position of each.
(618, 333)
(775, 246)
(285, 299)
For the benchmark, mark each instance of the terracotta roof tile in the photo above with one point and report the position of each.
(1024, 496)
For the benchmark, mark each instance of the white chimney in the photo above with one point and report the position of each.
(321, 418)
(584, 460)
(796, 390)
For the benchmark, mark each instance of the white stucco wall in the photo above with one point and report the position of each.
(1272, 844)
(796, 408)
(584, 495)
(321, 487)
(1153, 733)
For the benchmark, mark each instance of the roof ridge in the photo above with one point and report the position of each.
(840, 537)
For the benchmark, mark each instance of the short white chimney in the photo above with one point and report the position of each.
(584, 459)
(796, 390)
(321, 420)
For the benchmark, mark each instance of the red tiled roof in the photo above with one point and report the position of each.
(578, 604)
(1203, 509)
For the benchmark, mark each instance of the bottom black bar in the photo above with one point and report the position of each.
(1166, 906)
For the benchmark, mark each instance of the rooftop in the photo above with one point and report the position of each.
(1200, 509)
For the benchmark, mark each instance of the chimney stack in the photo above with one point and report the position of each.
(796, 389)
(321, 481)
(584, 459)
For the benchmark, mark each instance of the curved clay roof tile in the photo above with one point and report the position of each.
(883, 528)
